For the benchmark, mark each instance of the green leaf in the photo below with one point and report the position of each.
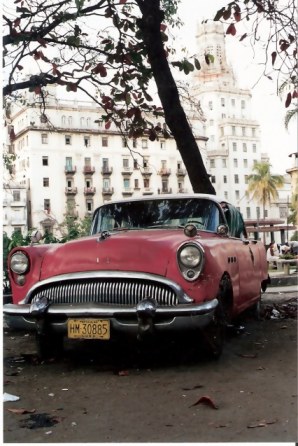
(197, 64)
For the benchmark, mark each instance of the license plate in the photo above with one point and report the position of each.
(88, 329)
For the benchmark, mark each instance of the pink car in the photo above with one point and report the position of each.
(156, 265)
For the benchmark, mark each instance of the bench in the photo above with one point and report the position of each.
(286, 263)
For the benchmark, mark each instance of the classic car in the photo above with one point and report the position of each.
(151, 266)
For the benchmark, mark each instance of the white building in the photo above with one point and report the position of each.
(68, 162)
(14, 208)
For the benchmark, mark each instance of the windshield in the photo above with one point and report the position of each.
(163, 213)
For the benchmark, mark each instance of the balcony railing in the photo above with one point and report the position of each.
(165, 190)
(146, 171)
(147, 191)
(106, 170)
(126, 170)
(71, 190)
(127, 191)
(70, 170)
(89, 190)
(181, 172)
(88, 170)
(165, 172)
(107, 191)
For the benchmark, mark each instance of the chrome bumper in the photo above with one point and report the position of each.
(123, 319)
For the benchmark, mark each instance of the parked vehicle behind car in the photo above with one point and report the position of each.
(151, 266)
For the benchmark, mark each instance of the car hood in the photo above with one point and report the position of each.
(141, 251)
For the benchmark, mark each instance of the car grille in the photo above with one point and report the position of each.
(109, 292)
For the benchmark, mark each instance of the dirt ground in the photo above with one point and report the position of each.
(167, 393)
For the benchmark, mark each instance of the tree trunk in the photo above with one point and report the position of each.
(175, 116)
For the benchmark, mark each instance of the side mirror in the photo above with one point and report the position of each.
(222, 229)
(190, 230)
(36, 236)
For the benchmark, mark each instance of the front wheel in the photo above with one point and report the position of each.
(214, 334)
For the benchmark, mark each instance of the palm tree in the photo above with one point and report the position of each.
(262, 185)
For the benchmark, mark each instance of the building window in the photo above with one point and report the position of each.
(126, 183)
(246, 179)
(245, 163)
(104, 141)
(248, 212)
(46, 182)
(211, 122)
(233, 102)
(212, 163)
(253, 131)
(45, 160)
(106, 184)
(136, 182)
(46, 204)
(210, 105)
(242, 105)
(124, 142)
(234, 147)
(224, 162)
(89, 205)
(87, 141)
(213, 179)
(237, 194)
(235, 162)
(144, 143)
(236, 179)
(16, 195)
(254, 148)
(68, 140)
(82, 120)
(69, 121)
(226, 195)
(146, 183)
(222, 102)
(233, 130)
(165, 186)
(63, 120)
(244, 147)
(225, 179)
(162, 144)
(68, 164)
(243, 131)
(134, 143)
(88, 122)
(44, 138)
(283, 212)
(125, 162)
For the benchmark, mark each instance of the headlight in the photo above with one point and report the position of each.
(191, 260)
(19, 262)
(190, 256)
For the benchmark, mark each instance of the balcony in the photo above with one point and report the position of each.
(89, 190)
(106, 170)
(126, 170)
(71, 190)
(107, 191)
(88, 170)
(148, 191)
(182, 190)
(70, 170)
(18, 203)
(165, 190)
(146, 171)
(164, 172)
(128, 191)
(181, 172)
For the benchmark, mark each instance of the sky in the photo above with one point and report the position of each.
(268, 108)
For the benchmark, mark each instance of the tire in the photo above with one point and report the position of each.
(215, 333)
(49, 346)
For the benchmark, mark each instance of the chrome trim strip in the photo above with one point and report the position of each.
(182, 297)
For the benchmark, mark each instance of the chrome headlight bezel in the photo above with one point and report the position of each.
(19, 262)
(191, 259)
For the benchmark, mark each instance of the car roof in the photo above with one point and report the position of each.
(214, 198)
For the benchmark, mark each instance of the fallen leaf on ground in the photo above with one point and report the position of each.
(207, 401)
(21, 411)
(251, 356)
